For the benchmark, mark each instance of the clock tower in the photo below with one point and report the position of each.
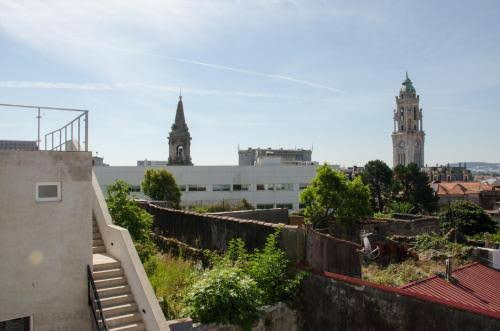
(408, 136)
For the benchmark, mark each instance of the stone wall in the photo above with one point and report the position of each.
(336, 302)
(275, 215)
(278, 317)
(389, 227)
(203, 231)
(214, 232)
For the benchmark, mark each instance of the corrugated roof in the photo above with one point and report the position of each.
(477, 288)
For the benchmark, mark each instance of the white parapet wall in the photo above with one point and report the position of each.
(119, 245)
(45, 238)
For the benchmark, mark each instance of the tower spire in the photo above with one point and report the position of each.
(406, 74)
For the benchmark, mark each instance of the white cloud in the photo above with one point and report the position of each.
(132, 86)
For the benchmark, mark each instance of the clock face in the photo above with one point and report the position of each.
(402, 144)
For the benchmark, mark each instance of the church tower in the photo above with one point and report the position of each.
(408, 136)
(179, 140)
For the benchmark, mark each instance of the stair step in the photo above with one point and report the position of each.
(113, 291)
(96, 235)
(110, 282)
(108, 273)
(98, 249)
(123, 320)
(129, 327)
(116, 300)
(107, 266)
(97, 242)
(126, 308)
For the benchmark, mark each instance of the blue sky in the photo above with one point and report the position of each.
(255, 74)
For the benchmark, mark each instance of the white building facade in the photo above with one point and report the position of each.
(274, 186)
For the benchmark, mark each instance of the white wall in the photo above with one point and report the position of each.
(45, 247)
(210, 175)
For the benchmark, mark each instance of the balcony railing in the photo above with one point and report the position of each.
(73, 136)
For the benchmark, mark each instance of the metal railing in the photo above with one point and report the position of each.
(95, 303)
(77, 128)
(69, 131)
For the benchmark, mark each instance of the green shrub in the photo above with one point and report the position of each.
(485, 236)
(269, 267)
(269, 270)
(126, 213)
(400, 207)
(467, 217)
(224, 296)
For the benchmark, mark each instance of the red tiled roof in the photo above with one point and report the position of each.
(477, 288)
(462, 188)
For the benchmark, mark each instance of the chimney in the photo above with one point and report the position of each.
(449, 268)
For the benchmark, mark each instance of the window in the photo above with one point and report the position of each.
(284, 187)
(135, 188)
(197, 188)
(182, 188)
(302, 205)
(284, 205)
(303, 186)
(48, 191)
(265, 206)
(241, 187)
(265, 187)
(221, 187)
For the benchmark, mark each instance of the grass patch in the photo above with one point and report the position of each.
(398, 274)
(171, 277)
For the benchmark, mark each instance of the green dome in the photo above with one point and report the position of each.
(407, 86)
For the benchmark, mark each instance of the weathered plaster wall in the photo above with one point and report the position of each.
(275, 215)
(340, 303)
(324, 252)
(45, 246)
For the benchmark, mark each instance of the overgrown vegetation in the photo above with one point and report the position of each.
(126, 213)
(332, 197)
(240, 283)
(160, 185)
(467, 217)
(223, 206)
(398, 274)
(436, 247)
(171, 277)
(487, 237)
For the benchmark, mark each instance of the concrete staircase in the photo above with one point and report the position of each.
(119, 308)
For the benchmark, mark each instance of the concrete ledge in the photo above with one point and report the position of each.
(119, 244)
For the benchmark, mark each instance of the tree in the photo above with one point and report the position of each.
(160, 185)
(331, 196)
(126, 213)
(378, 176)
(412, 185)
(466, 217)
